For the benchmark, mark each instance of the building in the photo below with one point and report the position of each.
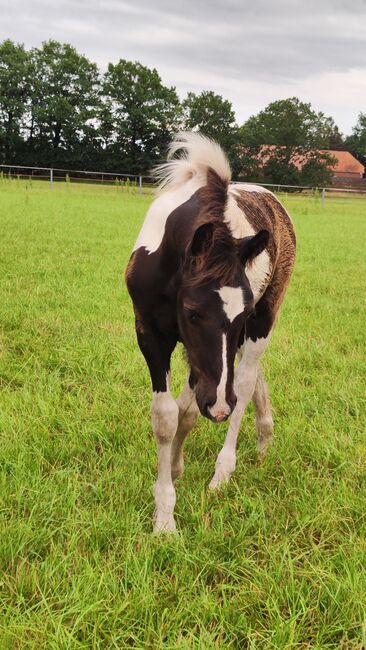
(347, 166)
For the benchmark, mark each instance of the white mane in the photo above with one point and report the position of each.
(199, 154)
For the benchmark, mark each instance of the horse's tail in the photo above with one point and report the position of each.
(199, 154)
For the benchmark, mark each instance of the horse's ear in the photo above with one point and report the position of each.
(252, 246)
(201, 238)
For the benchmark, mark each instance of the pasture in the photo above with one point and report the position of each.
(277, 559)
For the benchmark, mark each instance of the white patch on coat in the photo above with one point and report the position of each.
(259, 271)
(221, 406)
(233, 301)
(179, 178)
(153, 228)
(235, 218)
(259, 274)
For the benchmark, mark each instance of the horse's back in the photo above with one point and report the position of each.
(249, 209)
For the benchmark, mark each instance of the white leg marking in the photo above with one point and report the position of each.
(244, 383)
(164, 418)
(263, 415)
(221, 408)
(188, 413)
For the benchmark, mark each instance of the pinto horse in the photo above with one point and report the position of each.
(210, 268)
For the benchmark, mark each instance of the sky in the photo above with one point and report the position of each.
(251, 52)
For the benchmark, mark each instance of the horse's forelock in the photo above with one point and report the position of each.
(217, 262)
(218, 259)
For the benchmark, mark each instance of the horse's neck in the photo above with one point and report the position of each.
(153, 229)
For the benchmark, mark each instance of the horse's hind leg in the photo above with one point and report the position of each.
(263, 415)
(188, 413)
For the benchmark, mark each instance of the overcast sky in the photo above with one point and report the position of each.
(250, 51)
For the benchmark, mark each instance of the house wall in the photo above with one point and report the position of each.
(340, 174)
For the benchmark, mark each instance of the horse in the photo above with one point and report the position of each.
(210, 269)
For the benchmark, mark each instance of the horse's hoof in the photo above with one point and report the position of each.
(164, 524)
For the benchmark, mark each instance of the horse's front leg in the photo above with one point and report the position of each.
(164, 420)
(244, 384)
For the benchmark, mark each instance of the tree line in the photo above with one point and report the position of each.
(57, 109)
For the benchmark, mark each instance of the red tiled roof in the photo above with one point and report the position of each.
(346, 163)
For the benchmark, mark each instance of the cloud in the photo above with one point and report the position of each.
(252, 53)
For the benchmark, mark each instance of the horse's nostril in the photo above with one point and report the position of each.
(206, 410)
(221, 417)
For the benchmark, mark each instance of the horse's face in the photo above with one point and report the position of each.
(211, 319)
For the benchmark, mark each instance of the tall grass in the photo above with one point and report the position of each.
(277, 559)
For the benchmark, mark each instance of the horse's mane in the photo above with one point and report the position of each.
(218, 258)
(198, 154)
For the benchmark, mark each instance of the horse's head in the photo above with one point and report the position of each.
(214, 301)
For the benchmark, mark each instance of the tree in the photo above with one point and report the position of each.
(284, 140)
(289, 123)
(210, 114)
(64, 105)
(357, 141)
(14, 97)
(213, 116)
(139, 117)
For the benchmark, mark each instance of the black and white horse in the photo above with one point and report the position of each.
(210, 268)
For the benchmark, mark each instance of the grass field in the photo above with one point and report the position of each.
(277, 560)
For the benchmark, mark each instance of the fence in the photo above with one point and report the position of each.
(320, 191)
(55, 174)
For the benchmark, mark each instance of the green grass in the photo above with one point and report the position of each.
(277, 560)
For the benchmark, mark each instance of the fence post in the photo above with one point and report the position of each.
(140, 184)
(51, 179)
(323, 197)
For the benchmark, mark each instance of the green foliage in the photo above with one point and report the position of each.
(276, 560)
(357, 141)
(287, 131)
(57, 110)
(14, 97)
(289, 123)
(211, 115)
(139, 116)
(317, 169)
(64, 104)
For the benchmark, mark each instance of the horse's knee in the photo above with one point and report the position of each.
(187, 419)
(164, 417)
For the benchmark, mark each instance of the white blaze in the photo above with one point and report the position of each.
(233, 301)
(221, 404)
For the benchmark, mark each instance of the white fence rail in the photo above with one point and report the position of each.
(53, 174)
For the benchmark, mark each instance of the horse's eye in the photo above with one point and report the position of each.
(192, 315)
